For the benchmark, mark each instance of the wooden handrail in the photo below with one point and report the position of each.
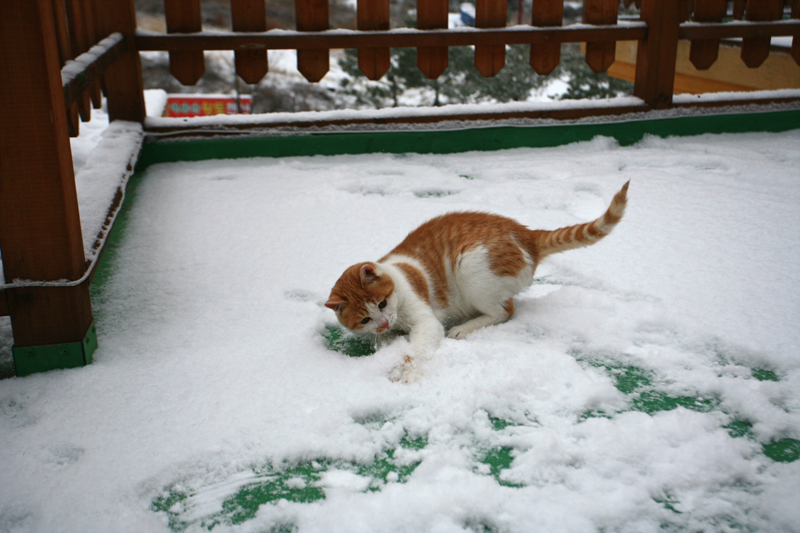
(293, 40)
(725, 30)
(79, 74)
(398, 38)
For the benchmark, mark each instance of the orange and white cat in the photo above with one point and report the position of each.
(459, 272)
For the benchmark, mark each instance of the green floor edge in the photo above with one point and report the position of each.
(478, 138)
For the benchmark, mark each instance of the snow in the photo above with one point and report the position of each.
(213, 377)
(445, 111)
(73, 67)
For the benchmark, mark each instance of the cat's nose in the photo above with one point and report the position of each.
(383, 323)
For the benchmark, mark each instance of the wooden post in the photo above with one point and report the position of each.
(123, 79)
(600, 55)
(373, 15)
(312, 15)
(431, 15)
(40, 229)
(184, 16)
(656, 55)
(545, 57)
(250, 15)
(490, 58)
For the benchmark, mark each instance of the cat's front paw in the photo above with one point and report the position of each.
(459, 332)
(406, 372)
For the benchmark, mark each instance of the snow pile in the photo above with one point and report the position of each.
(650, 382)
(104, 176)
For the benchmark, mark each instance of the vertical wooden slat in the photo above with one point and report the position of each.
(656, 56)
(62, 31)
(65, 53)
(704, 52)
(431, 15)
(93, 31)
(40, 229)
(600, 55)
(738, 9)
(490, 59)
(250, 15)
(756, 49)
(184, 16)
(546, 56)
(312, 15)
(123, 79)
(373, 15)
(796, 39)
(685, 10)
(79, 44)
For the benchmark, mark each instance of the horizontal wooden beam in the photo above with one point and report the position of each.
(80, 73)
(698, 30)
(409, 38)
(398, 38)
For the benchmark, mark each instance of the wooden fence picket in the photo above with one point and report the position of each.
(738, 9)
(685, 9)
(796, 39)
(76, 20)
(64, 54)
(600, 55)
(373, 15)
(312, 15)
(545, 57)
(251, 16)
(184, 16)
(431, 15)
(490, 58)
(756, 49)
(93, 36)
(703, 53)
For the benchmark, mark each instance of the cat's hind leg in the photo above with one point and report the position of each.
(491, 315)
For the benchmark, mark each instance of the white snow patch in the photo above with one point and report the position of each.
(212, 361)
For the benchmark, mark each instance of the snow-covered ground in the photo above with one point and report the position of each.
(648, 383)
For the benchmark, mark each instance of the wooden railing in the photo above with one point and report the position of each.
(55, 56)
(58, 55)
(662, 23)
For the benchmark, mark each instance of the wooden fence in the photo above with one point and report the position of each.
(57, 57)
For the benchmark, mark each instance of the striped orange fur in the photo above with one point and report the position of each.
(458, 271)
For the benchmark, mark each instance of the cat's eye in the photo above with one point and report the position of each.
(366, 319)
(382, 304)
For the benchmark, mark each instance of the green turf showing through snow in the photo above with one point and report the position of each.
(304, 482)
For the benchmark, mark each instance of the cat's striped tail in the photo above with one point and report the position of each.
(560, 240)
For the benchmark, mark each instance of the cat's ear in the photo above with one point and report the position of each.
(368, 274)
(335, 303)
